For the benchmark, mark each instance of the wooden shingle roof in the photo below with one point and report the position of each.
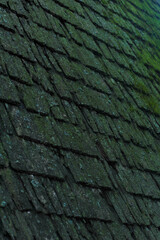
(79, 120)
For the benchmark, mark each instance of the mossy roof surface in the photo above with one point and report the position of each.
(79, 120)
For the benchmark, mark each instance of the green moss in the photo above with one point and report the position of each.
(149, 98)
(152, 103)
(132, 109)
(142, 88)
(104, 1)
(149, 60)
(147, 57)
